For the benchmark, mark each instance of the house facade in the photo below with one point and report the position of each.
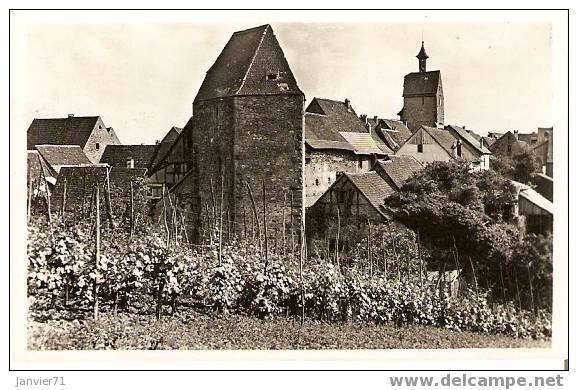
(430, 144)
(336, 141)
(90, 133)
(171, 161)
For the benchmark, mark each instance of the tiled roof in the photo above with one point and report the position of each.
(243, 67)
(321, 144)
(325, 119)
(399, 168)
(73, 130)
(363, 143)
(395, 133)
(443, 137)
(421, 83)
(58, 156)
(117, 155)
(372, 186)
(469, 138)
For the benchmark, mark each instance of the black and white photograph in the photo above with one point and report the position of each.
(254, 183)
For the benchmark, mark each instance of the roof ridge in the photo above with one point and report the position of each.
(254, 55)
(252, 29)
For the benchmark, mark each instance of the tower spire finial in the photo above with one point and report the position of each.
(422, 57)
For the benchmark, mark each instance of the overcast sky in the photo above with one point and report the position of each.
(142, 78)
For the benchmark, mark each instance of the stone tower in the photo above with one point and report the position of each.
(247, 126)
(423, 96)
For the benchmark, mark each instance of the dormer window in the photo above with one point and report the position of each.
(272, 75)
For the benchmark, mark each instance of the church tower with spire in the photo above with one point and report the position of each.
(423, 96)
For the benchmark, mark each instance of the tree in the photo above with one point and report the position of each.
(521, 167)
(464, 215)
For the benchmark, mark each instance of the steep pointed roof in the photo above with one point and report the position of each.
(251, 63)
(422, 55)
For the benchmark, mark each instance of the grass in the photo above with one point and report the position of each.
(192, 330)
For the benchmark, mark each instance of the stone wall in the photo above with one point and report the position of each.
(248, 139)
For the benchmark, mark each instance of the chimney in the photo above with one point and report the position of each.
(347, 103)
(454, 147)
(375, 118)
(481, 142)
(157, 142)
(363, 118)
(516, 135)
(71, 115)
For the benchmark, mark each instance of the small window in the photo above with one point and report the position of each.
(99, 127)
(459, 149)
(307, 160)
(329, 180)
(97, 145)
(317, 182)
(272, 76)
(360, 163)
(420, 148)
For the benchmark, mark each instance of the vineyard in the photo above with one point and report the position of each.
(110, 258)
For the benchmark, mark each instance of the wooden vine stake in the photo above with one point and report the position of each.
(284, 235)
(221, 222)
(97, 252)
(303, 255)
(29, 205)
(369, 254)
(266, 239)
(131, 227)
(337, 238)
(107, 198)
(63, 210)
(255, 217)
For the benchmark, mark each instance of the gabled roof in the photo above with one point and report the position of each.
(243, 67)
(325, 119)
(469, 138)
(163, 146)
(117, 155)
(443, 137)
(399, 168)
(393, 132)
(167, 145)
(373, 187)
(421, 83)
(58, 156)
(74, 130)
(363, 143)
